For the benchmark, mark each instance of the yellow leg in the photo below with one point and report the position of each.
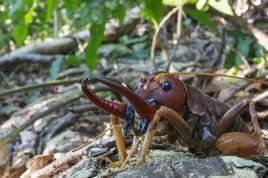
(119, 139)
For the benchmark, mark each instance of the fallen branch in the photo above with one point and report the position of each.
(65, 100)
(54, 47)
(48, 50)
(30, 57)
(41, 85)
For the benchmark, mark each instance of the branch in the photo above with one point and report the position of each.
(29, 57)
(41, 85)
(64, 45)
(65, 100)
(57, 46)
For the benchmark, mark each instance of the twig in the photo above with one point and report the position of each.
(177, 40)
(173, 11)
(260, 97)
(86, 145)
(232, 92)
(63, 102)
(41, 85)
(81, 109)
(72, 72)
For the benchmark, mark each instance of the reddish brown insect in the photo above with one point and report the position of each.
(200, 122)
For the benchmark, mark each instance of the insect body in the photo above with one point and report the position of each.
(200, 122)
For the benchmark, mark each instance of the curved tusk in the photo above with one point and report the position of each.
(143, 108)
(116, 109)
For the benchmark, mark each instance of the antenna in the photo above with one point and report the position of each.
(210, 74)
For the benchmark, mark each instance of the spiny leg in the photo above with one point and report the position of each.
(257, 129)
(177, 122)
(230, 117)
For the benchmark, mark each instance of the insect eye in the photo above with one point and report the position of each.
(166, 85)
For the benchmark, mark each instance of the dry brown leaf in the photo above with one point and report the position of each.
(14, 172)
(36, 163)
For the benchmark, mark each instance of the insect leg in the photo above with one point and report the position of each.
(177, 122)
(230, 117)
(120, 144)
(257, 129)
(238, 143)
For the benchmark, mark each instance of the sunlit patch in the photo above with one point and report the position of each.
(2, 8)
(256, 2)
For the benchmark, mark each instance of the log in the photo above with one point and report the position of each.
(176, 164)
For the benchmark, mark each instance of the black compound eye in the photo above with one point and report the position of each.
(166, 85)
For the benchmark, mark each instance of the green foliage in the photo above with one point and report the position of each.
(125, 40)
(51, 5)
(244, 46)
(153, 10)
(96, 36)
(201, 17)
(119, 12)
(116, 51)
(72, 59)
(136, 48)
(20, 33)
(71, 4)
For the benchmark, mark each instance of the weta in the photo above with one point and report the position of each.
(198, 121)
